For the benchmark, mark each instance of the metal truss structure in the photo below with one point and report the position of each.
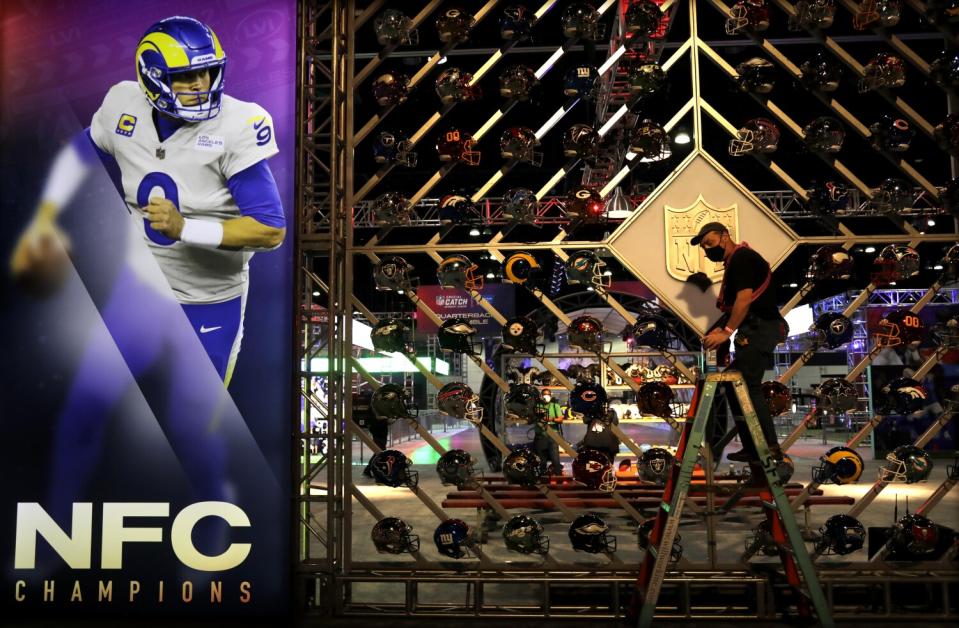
(336, 228)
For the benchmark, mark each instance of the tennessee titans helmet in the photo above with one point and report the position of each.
(832, 329)
(393, 148)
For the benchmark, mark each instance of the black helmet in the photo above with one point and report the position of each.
(824, 135)
(457, 271)
(915, 536)
(586, 333)
(524, 534)
(393, 274)
(945, 70)
(903, 395)
(391, 402)
(650, 142)
(581, 140)
(651, 331)
(456, 335)
(841, 535)
(643, 18)
(391, 88)
(393, 468)
(581, 20)
(906, 463)
(391, 335)
(516, 23)
(891, 134)
(645, 79)
(456, 467)
(393, 28)
(893, 196)
(523, 401)
(454, 24)
(778, 398)
(520, 335)
(392, 535)
(589, 533)
(585, 267)
(522, 466)
(756, 75)
(833, 329)
(456, 399)
(655, 465)
(517, 81)
(642, 538)
(519, 143)
(821, 73)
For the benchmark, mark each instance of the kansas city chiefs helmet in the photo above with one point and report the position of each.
(645, 79)
(392, 468)
(821, 73)
(391, 88)
(393, 148)
(902, 395)
(522, 466)
(458, 400)
(588, 401)
(390, 335)
(756, 75)
(454, 85)
(594, 469)
(945, 70)
(525, 535)
(391, 402)
(883, 70)
(581, 140)
(833, 329)
(517, 81)
(585, 267)
(900, 327)
(457, 271)
(836, 396)
(393, 28)
(649, 142)
(873, 13)
(523, 401)
(391, 535)
(581, 81)
(777, 397)
(895, 262)
(655, 465)
(581, 20)
(393, 273)
(839, 465)
(457, 336)
(657, 399)
(758, 135)
(585, 204)
(830, 261)
(589, 533)
(747, 16)
(642, 18)
(652, 331)
(824, 135)
(392, 208)
(891, 134)
(841, 535)
(454, 24)
(457, 146)
(586, 333)
(812, 15)
(456, 467)
(516, 23)
(520, 335)
(519, 143)
(906, 463)
(520, 206)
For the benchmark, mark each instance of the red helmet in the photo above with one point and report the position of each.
(456, 145)
(758, 135)
(585, 204)
(519, 142)
(900, 327)
(594, 469)
(830, 261)
(894, 263)
(747, 15)
(656, 399)
(777, 397)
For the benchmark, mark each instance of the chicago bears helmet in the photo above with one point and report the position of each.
(645, 79)
(830, 261)
(392, 535)
(391, 402)
(525, 535)
(821, 73)
(522, 268)
(840, 535)
(173, 46)
(894, 263)
(457, 336)
(593, 469)
(812, 14)
(585, 267)
(457, 271)
(649, 141)
(454, 24)
(652, 331)
(585, 204)
(457, 146)
(642, 538)
(891, 134)
(758, 135)
(456, 467)
(833, 329)
(824, 135)
(655, 465)
(581, 81)
(777, 397)
(906, 463)
(523, 401)
(883, 70)
(457, 210)
(902, 395)
(586, 333)
(945, 70)
(588, 401)
(642, 18)
(393, 28)
(393, 148)
(900, 327)
(756, 75)
(657, 399)
(390, 335)
(391, 88)
(520, 142)
(839, 465)
(392, 468)
(915, 536)
(520, 206)
(589, 533)
(581, 140)
(747, 15)
(517, 81)
(581, 20)
(516, 23)
(458, 400)
(836, 395)
(873, 13)
(392, 208)
(393, 273)
(520, 335)
(453, 85)
(454, 538)
(522, 467)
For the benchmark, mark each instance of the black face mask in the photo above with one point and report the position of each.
(715, 253)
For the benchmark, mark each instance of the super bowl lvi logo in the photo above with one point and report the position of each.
(684, 259)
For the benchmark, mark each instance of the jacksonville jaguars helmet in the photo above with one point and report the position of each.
(832, 329)
(458, 400)
(906, 463)
(392, 535)
(589, 533)
(456, 335)
(593, 469)
(840, 535)
(457, 271)
(456, 467)
(585, 267)
(525, 535)
(392, 468)
(839, 465)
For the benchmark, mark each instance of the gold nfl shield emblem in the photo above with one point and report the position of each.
(684, 259)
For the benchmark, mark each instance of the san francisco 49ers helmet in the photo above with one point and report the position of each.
(519, 143)
(585, 267)
(758, 135)
(454, 24)
(594, 469)
(453, 85)
(586, 333)
(458, 400)
(747, 16)
(457, 271)
(391, 88)
(517, 81)
(657, 399)
(830, 261)
(900, 327)
(457, 146)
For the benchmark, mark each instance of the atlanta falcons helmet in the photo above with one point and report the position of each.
(458, 336)
(394, 29)
(392, 208)
(391, 402)
(393, 148)
(902, 395)
(520, 335)
(839, 465)
(391, 535)
(458, 400)
(906, 463)
(833, 329)
(453, 85)
(824, 135)
(393, 274)
(392, 468)
(585, 267)
(594, 469)
(581, 140)
(457, 271)
(455, 145)
(517, 81)
(758, 135)
(891, 134)
(525, 535)
(756, 75)
(655, 465)
(454, 24)
(391, 88)
(390, 335)
(589, 533)
(900, 327)
(894, 263)
(841, 535)
(836, 395)
(830, 261)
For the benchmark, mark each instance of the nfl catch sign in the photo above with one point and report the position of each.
(144, 441)
(450, 303)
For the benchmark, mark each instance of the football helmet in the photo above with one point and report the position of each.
(747, 15)
(946, 334)
(520, 205)
(833, 329)
(645, 79)
(830, 261)
(902, 395)
(392, 468)
(655, 465)
(519, 143)
(522, 268)
(873, 13)
(821, 73)
(642, 537)
(828, 198)
(581, 20)
(523, 401)
(585, 267)
(649, 141)
(457, 210)
(522, 467)
(900, 327)
(393, 274)
(906, 463)
(762, 540)
(390, 335)
(839, 465)
(657, 399)
(758, 135)
(456, 467)
(393, 29)
(945, 70)
(777, 397)
(824, 135)
(391, 88)
(894, 263)
(525, 535)
(943, 12)
(892, 196)
(784, 468)
(584, 203)
(915, 535)
(170, 47)
(586, 333)
(458, 400)
(593, 469)
(883, 70)
(456, 145)
(391, 402)
(517, 81)
(516, 23)
(453, 85)
(581, 140)
(393, 148)
(392, 535)
(454, 24)
(458, 336)
(891, 134)
(756, 75)
(840, 535)
(812, 15)
(947, 134)
(453, 538)
(836, 395)
(643, 18)
(950, 264)
(588, 401)
(589, 533)
(457, 271)
(581, 81)
(652, 331)
(392, 208)
(666, 373)
(520, 335)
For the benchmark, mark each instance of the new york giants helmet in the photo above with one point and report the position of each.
(453, 538)
(581, 81)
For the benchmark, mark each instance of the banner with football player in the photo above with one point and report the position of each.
(147, 162)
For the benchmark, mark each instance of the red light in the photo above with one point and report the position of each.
(595, 208)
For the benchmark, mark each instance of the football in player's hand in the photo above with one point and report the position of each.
(41, 261)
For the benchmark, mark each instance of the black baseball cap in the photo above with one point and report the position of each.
(709, 226)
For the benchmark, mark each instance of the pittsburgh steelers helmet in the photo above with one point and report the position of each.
(520, 335)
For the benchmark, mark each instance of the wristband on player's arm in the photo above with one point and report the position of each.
(205, 233)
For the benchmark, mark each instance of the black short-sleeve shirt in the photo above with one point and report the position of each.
(747, 269)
